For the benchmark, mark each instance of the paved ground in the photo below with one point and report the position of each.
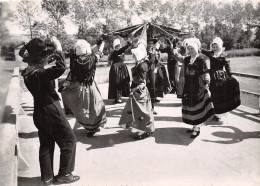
(223, 155)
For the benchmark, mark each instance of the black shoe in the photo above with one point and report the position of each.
(190, 130)
(91, 133)
(216, 118)
(65, 179)
(68, 113)
(195, 135)
(118, 101)
(143, 136)
(47, 183)
(155, 113)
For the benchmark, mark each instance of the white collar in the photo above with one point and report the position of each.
(217, 54)
(192, 59)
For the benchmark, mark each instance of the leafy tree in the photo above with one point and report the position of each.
(5, 14)
(83, 11)
(26, 15)
(256, 25)
(149, 10)
(248, 14)
(56, 9)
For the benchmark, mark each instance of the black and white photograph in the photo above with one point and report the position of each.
(130, 92)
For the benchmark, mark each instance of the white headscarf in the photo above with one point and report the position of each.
(116, 42)
(194, 45)
(82, 47)
(219, 42)
(188, 42)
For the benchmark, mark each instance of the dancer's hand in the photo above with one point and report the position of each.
(56, 43)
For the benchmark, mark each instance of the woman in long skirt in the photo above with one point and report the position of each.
(172, 64)
(138, 109)
(118, 75)
(224, 88)
(80, 90)
(197, 106)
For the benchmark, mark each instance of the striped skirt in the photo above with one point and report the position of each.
(202, 112)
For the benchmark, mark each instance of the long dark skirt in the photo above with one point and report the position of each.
(162, 83)
(86, 104)
(174, 72)
(225, 92)
(118, 81)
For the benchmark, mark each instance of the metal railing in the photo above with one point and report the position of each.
(252, 76)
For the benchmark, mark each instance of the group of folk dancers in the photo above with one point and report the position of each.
(206, 90)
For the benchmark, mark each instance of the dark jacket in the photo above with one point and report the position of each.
(83, 68)
(117, 56)
(40, 81)
(139, 73)
(217, 63)
(170, 53)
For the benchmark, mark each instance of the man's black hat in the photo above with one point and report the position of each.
(38, 49)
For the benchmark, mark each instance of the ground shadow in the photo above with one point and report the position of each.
(29, 181)
(168, 104)
(233, 137)
(109, 102)
(245, 114)
(114, 111)
(103, 141)
(112, 101)
(167, 118)
(174, 136)
(28, 135)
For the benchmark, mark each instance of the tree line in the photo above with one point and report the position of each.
(236, 23)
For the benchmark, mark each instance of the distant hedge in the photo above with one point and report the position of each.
(243, 52)
(230, 54)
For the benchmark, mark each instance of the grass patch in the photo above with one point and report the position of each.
(243, 52)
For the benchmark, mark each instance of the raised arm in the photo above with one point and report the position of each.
(177, 56)
(123, 49)
(55, 71)
(206, 52)
(165, 50)
(98, 48)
